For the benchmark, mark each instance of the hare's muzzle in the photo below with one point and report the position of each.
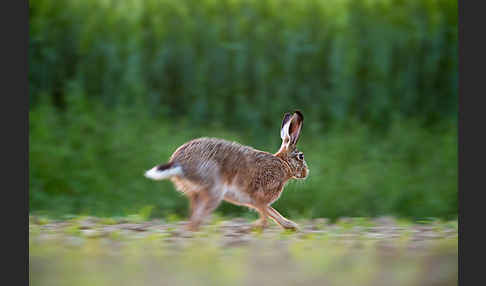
(304, 173)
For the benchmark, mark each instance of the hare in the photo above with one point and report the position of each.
(209, 170)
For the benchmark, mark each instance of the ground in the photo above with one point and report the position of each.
(351, 251)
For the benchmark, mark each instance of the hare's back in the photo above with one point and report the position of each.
(210, 156)
(204, 149)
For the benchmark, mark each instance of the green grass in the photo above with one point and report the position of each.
(90, 161)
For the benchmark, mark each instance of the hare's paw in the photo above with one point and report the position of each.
(290, 225)
(193, 226)
(259, 224)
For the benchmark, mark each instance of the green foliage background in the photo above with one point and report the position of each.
(117, 86)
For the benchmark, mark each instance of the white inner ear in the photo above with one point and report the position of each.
(284, 132)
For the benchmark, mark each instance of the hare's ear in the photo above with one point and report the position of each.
(284, 130)
(295, 126)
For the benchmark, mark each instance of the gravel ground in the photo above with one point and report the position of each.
(351, 251)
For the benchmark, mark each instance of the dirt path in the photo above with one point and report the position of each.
(383, 251)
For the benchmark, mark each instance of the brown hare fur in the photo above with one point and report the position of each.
(209, 170)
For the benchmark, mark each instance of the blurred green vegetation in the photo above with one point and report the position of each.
(91, 160)
(117, 86)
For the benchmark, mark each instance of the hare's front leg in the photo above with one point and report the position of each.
(262, 222)
(283, 222)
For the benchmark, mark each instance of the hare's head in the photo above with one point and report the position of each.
(290, 133)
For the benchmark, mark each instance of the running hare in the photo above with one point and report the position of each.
(209, 170)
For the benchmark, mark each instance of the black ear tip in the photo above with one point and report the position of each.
(300, 114)
(286, 118)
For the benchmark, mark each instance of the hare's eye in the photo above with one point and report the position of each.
(300, 156)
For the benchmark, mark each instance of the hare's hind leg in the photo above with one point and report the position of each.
(197, 202)
(202, 204)
(193, 201)
(278, 218)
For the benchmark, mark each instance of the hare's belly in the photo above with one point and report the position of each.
(186, 186)
(234, 194)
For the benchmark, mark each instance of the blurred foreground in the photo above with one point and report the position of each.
(357, 251)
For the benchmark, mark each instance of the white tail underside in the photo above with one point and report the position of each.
(154, 174)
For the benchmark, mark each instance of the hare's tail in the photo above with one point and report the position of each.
(164, 171)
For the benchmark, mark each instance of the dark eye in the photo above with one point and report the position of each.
(300, 156)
